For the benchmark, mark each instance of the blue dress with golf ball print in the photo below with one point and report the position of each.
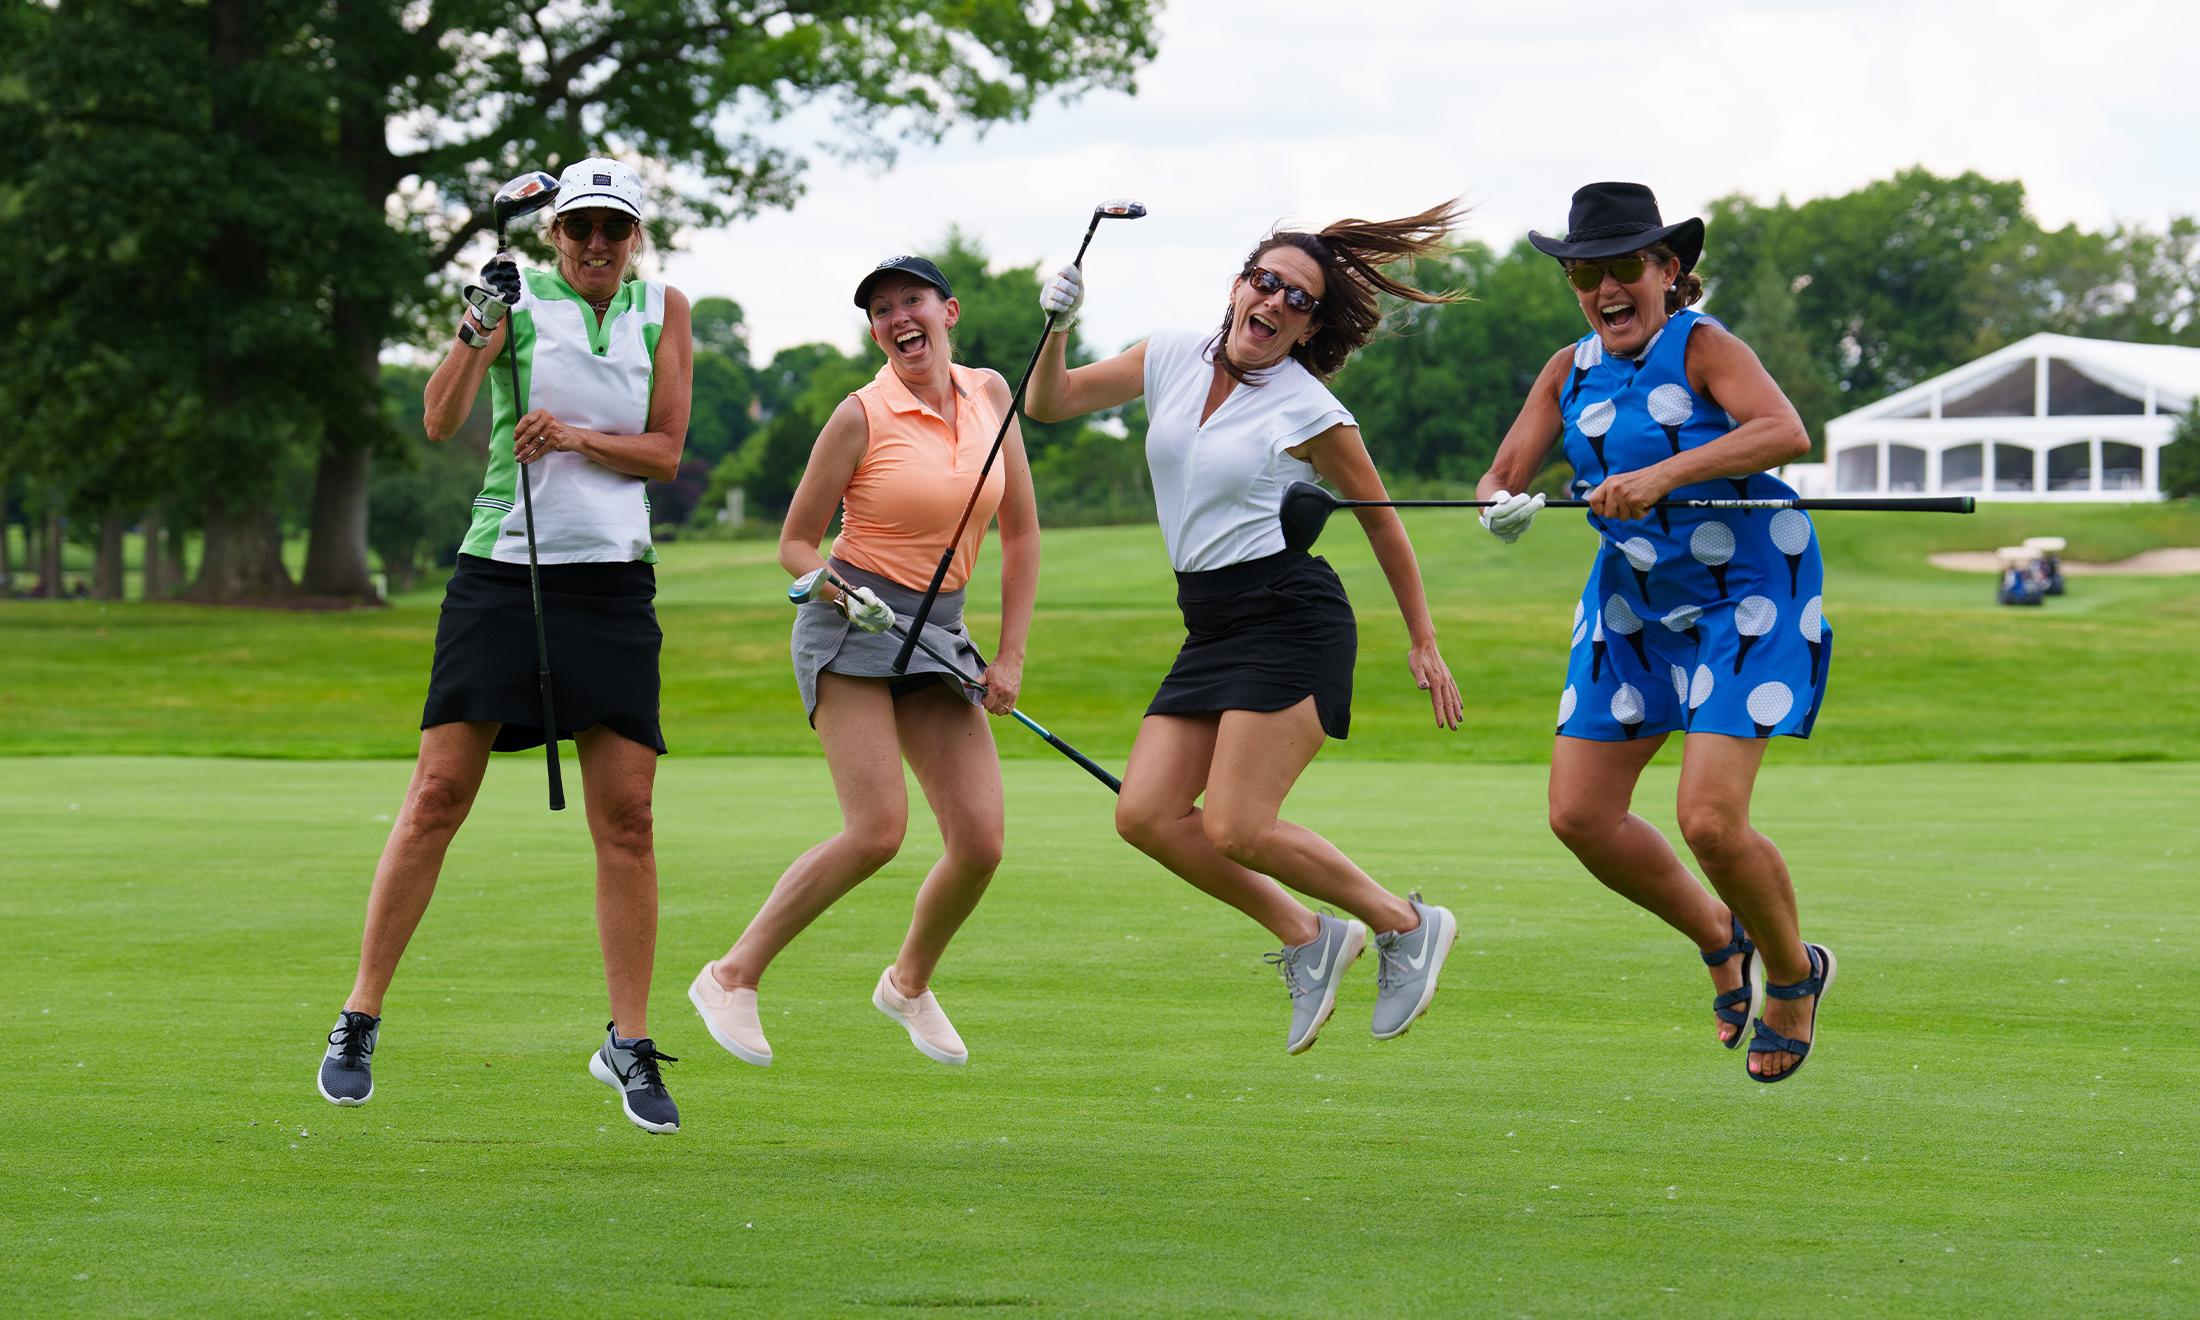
(1697, 620)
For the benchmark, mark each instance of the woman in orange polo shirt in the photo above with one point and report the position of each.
(899, 457)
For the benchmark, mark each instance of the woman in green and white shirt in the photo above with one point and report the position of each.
(604, 379)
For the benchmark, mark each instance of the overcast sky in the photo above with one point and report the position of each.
(1316, 109)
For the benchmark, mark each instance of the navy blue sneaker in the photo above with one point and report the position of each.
(347, 1073)
(631, 1068)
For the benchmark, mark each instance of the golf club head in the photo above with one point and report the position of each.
(804, 589)
(1120, 208)
(524, 195)
(1306, 508)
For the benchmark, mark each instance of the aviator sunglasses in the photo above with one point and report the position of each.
(1587, 275)
(1266, 281)
(616, 228)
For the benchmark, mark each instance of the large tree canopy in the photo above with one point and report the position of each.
(314, 168)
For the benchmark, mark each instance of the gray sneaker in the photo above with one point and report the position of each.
(1406, 968)
(630, 1068)
(1312, 972)
(347, 1070)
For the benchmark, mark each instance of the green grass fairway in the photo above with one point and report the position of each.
(2001, 1120)
(1926, 666)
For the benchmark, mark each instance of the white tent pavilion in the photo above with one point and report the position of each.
(2050, 417)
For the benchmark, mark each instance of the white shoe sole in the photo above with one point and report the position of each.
(339, 1100)
(1355, 941)
(601, 1071)
(732, 1046)
(1446, 937)
(931, 1052)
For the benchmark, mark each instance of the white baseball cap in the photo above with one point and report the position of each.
(602, 182)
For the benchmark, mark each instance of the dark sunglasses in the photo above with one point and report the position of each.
(1266, 282)
(1587, 275)
(617, 228)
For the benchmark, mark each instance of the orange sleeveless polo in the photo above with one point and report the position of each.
(915, 476)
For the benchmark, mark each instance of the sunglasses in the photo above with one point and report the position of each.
(1587, 275)
(1266, 282)
(617, 228)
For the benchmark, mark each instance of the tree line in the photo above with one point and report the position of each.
(232, 208)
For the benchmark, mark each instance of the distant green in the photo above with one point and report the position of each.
(1926, 666)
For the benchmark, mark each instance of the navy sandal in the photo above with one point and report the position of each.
(1768, 1041)
(1745, 995)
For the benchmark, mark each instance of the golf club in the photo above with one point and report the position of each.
(1306, 507)
(804, 589)
(1118, 209)
(524, 195)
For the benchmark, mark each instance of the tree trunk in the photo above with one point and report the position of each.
(107, 569)
(49, 556)
(153, 575)
(7, 575)
(178, 571)
(336, 549)
(243, 559)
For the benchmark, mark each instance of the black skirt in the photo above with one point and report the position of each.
(601, 626)
(1264, 635)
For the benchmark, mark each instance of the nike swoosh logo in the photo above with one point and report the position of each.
(1321, 969)
(1418, 963)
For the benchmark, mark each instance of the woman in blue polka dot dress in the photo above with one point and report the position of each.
(1705, 622)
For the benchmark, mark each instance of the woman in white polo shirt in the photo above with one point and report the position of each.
(1265, 673)
(605, 373)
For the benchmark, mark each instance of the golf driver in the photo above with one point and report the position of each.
(1118, 209)
(528, 193)
(1306, 507)
(804, 589)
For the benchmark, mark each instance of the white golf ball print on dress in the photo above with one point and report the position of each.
(1769, 703)
(1587, 354)
(1791, 536)
(1712, 544)
(1699, 688)
(1581, 629)
(1680, 692)
(1627, 707)
(1753, 618)
(1813, 627)
(1566, 701)
(1620, 618)
(1596, 419)
(1682, 619)
(1670, 407)
(1641, 557)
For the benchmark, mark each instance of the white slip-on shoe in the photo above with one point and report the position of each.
(928, 1027)
(731, 1017)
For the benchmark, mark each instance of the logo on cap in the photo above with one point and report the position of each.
(894, 261)
(603, 180)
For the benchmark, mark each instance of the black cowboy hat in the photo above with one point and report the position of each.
(1609, 219)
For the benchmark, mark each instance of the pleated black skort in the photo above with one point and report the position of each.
(1264, 635)
(601, 622)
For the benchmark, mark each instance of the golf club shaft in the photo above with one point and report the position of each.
(1015, 402)
(1914, 504)
(534, 573)
(910, 634)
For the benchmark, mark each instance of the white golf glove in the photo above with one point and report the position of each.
(1510, 515)
(1062, 296)
(866, 611)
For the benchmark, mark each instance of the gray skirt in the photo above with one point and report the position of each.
(825, 641)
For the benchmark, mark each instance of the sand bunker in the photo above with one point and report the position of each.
(2150, 563)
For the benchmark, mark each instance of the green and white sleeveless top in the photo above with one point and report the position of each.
(587, 375)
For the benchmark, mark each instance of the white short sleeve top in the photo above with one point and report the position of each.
(1217, 487)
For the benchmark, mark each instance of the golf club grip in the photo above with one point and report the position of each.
(550, 743)
(1092, 767)
(931, 593)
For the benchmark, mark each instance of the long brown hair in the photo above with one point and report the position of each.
(1352, 255)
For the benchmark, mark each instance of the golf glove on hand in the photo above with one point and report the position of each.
(866, 611)
(1510, 515)
(1062, 296)
(489, 305)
